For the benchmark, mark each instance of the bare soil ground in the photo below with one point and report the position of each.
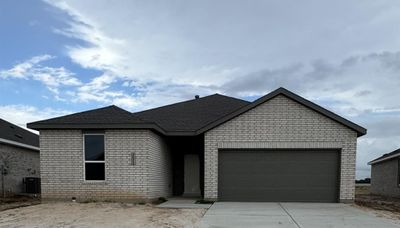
(387, 207)
(17, 201)
(62, 214)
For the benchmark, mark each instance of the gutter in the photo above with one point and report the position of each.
(23, 145)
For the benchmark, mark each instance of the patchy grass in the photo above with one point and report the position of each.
(364, 198)
(378, 202)
(362, 189)
(202, 201)
(16, 201)
(89, 201)
(160, 200)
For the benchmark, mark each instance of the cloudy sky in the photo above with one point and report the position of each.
(58, 57)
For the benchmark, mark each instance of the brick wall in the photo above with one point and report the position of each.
(21, 163)
(160, 175)
(63, 166)
(281, 123)
(384, 178)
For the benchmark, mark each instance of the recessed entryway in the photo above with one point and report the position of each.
(191, 175)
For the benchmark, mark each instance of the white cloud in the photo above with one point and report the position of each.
(126, 102)
(355, 85)
(333, 53)
(22, 70)
(23, 114)
(51, 77)
(232, 48)
(98, 90)
(176, 42)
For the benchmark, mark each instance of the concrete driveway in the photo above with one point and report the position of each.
(291, 215)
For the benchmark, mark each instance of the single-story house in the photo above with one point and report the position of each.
(385, 174)
(280, 147)
(19, 157)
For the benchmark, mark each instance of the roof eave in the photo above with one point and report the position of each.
(379, 160)
(181, 133)
(18, 144)
(41, 126)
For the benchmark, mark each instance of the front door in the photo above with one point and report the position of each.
(192, 175)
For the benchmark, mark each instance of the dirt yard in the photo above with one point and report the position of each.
(61, 214)
(17, 201)
(386, 207)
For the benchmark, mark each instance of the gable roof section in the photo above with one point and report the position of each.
(111, 117)
(282, 91)
(17, 136)
(386, 157)
(192, 115)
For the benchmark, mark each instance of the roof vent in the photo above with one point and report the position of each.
(19, 136)
(196, 97)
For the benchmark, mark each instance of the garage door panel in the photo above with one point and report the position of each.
(283, 175)
(289, 195)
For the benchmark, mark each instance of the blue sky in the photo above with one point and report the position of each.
(28, 31)
(59, 57)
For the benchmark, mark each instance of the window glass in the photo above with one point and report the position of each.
(94, 147)
(94, 171)
(94, 157)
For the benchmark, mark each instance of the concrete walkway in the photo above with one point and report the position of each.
(290, 215)
(188, 203)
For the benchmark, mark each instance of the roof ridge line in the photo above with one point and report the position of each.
(180, 102)
(81, 112)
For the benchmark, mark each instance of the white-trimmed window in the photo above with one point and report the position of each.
(94, 157)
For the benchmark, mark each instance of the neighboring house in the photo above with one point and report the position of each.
(19, 154)
(280, 147)
(385, 174)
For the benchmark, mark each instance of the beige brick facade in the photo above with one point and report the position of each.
(62, 166)
(281, 123)
(21, 163)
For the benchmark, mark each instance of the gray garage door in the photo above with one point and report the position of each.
(278, 176)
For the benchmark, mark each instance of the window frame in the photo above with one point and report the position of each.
(398, 172)
(84, 158)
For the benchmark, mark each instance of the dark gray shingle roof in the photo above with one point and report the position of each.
(12, 132)
(110, 117)
(190, 117)
(183, 117)
(193, 114)
(110, 114)
(385, 157)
